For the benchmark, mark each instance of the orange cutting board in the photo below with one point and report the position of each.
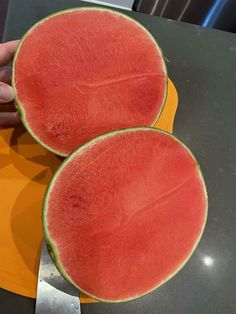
(25, 170)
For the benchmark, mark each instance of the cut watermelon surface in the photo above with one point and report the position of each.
(84, 72)
(124, 213)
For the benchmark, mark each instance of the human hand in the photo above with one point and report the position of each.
(8, 113)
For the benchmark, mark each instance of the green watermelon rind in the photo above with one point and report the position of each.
(51, 245)
(18, 104)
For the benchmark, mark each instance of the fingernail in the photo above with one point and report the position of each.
(6, 93)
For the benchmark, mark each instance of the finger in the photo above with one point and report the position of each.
(9, 118)
(7, 51)
(6, 93)
(5, 74)
(8, 107)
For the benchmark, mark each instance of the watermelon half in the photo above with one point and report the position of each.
(84, 72)
(124, 213)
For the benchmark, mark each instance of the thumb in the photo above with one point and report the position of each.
(6, 93)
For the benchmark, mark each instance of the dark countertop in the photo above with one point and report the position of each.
(3, 11)
(202, 63)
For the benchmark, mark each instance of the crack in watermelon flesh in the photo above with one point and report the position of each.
(85, 72)
(124, 213)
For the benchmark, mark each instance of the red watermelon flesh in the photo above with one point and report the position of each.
(124, 213)
(84, 72)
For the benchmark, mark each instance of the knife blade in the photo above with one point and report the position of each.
(54, 293)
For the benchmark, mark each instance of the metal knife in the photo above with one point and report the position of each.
(54, 294)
